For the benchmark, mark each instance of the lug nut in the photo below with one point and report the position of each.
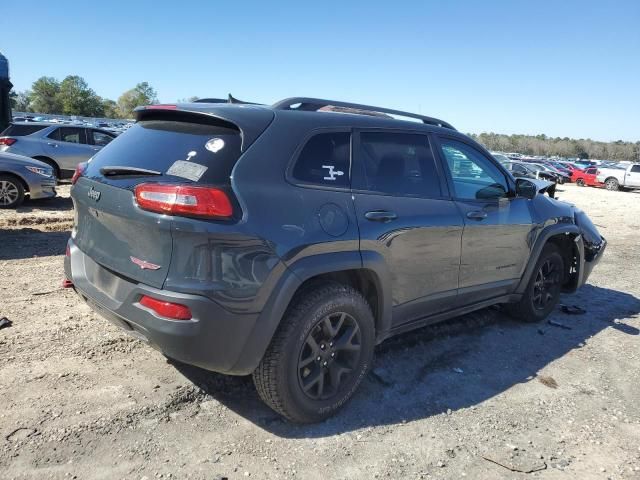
(322, 347)
(318, 359)
(333, 355)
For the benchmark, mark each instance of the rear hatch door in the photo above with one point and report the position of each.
(110, 227)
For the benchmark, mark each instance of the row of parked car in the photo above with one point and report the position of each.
(610, 175)
(35, 155)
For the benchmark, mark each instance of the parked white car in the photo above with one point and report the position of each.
(616, 178)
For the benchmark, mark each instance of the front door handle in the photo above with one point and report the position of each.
(52, 144)
(380, 216)
(477, 215)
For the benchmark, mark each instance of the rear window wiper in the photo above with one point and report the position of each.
(112, 171)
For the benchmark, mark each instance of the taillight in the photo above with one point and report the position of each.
(8, 141)
(183, 200)
(80, 169)
(171, 310)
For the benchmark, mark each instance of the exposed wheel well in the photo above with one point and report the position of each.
(362, 280)
(12, 175)
(567, 246)
(51, 162)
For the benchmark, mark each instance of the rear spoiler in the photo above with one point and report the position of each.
(251, 121)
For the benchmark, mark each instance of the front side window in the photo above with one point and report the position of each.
(100, 138)
(635, 169)
(325, 160)
(474, 176)
(590, 171)
(399, 164)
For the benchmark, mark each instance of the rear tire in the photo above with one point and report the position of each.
(612, 184)
(11, 192)
(580, 182)
(543, 290)
(319, 355)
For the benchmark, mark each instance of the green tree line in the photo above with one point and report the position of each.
(72, 96)
(562, 147)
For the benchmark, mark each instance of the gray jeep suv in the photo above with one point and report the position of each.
(286, 241)
(60, 146)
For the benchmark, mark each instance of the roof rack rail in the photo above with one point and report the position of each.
(315, 104)
(229, 99)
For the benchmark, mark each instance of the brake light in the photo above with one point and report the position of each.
(8, 141)
(183, 200)
(161, 107)
(80, 169)
(171, 310)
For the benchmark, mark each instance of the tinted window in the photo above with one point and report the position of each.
(21, 130)
(324, 160)
(474, 175)
(635, 169)
(397, 164)
(159, 144)
(69, 135)
(519, 169)
(100, 138)
(590, 171)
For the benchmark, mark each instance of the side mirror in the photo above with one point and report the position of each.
(525, 188)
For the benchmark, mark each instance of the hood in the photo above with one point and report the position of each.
(21, 160)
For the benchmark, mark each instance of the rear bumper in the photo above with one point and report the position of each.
(213, 339)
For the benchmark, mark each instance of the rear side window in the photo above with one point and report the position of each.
(21, 130)
(160, 145)
(69, 135)
(325, 160)
(397, 164)
(635, 169)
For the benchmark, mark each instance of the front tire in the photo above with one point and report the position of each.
(543, 290)
(319, 355)
(580, 182)
(11, 192)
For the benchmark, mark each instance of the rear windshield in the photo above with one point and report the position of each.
(181, 151)
(19, 130)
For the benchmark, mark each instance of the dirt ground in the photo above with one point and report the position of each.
(479, 397)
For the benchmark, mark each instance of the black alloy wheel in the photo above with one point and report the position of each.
(329, 356)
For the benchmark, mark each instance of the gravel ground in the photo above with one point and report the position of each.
(479, 397)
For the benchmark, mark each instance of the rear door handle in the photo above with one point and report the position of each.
(477, 215)
(380, 216)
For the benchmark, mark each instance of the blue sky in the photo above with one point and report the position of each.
(564, 68)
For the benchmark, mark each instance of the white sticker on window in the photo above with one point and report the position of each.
(214, 145)
(189, 170)
(332, 173)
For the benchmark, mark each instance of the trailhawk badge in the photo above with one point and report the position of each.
(93, 194)
(144, 265)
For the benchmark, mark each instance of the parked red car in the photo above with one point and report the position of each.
(586, 177)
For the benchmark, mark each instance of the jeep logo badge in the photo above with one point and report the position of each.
(93, 194)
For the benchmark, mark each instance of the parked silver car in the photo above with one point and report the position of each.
(61, 146)
(20, 176)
